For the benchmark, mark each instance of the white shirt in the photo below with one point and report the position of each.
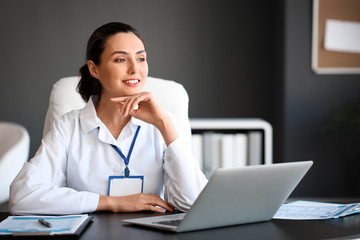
(73, 164)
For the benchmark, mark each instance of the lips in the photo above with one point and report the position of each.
(131, 82)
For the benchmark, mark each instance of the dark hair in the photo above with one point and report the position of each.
(88, 85)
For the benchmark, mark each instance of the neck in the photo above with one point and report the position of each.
(109, 114)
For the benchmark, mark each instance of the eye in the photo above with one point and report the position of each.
(120, 60)
(141, 59)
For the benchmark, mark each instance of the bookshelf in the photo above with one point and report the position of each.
(231, 142)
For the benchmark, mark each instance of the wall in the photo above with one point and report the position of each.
(236, 59)
(309, 99)
(219, 52)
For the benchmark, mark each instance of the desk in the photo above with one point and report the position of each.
(109, 226)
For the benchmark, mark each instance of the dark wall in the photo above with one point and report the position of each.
(235, 58)
(219, 52)
(309, 100)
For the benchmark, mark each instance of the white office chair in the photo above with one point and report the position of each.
(14, 151)
(171, 95)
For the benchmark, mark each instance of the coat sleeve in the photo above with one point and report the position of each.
(40, 186)
(183, 178)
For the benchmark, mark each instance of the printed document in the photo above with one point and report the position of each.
(30, 224)
(307, 210)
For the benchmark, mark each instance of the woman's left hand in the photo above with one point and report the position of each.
(142, 106)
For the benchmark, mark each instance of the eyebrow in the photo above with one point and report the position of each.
(126, 53)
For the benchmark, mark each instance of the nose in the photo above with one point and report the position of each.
(133, 67)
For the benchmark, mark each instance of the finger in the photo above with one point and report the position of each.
(124, 109)
(161, 203)
(153, 200)
(132, 105)
(167, 207)
(135, 105)
(156, 209)
(129, 104)
(122, 99)
(118, 99)
(123, 104)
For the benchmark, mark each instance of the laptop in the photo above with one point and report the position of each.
(235, 196)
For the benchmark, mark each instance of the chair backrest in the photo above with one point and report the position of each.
(171, 95)
(14, 151)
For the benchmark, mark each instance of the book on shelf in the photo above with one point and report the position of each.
(240, 141)
(255, 148)
(225, 150)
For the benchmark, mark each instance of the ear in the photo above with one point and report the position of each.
(93, 69)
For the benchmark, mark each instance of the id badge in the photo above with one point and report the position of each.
(121, 186)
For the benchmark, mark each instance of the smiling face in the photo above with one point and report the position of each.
(123, 68)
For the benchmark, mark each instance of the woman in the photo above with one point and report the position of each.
(121, 131)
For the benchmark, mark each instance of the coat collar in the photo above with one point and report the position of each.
(89, 122)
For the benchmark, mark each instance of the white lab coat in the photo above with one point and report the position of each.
(73, 164)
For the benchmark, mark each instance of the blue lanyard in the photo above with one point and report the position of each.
(127, 159)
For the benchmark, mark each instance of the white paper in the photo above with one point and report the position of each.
(343, 36)
(306, 210)
(60, 224)
(125, 186)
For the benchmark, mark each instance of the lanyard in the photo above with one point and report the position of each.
(127, 159)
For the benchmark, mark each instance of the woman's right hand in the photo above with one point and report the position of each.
(133, 203)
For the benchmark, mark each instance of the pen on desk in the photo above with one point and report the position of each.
(44, 223)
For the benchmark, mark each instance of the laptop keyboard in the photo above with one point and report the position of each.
(169, 222)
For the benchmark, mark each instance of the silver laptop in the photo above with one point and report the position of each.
(235, 196)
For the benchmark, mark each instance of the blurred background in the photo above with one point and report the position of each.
(237, 59)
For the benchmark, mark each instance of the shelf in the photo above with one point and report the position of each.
(234, 125)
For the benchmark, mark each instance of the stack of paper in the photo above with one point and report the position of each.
(29, 225)
(307, 210)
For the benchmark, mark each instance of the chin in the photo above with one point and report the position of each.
(130, 93)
